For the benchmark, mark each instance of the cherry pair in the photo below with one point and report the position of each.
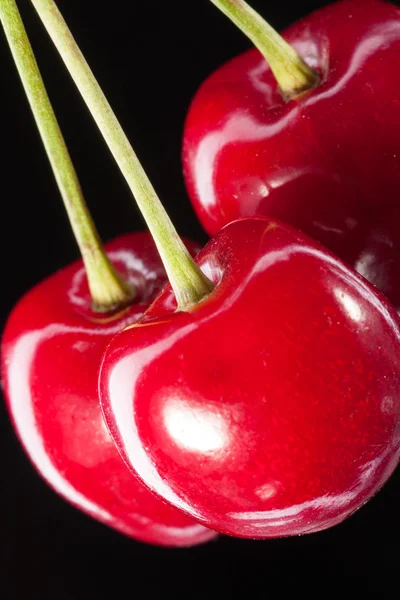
(256, 410)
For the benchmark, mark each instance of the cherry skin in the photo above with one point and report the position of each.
(51, 354)
(272, 407)
(327, 161)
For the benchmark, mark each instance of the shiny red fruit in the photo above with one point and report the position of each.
(272, 407)
(327, 162)
(51, 353)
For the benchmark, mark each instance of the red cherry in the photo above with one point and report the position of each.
(270, 408)
(326, 161)
(51, 353)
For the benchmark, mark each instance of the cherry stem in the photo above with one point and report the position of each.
(292, 73)
(188, 282)
(107, 288)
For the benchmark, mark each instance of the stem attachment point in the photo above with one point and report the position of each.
(292, 73)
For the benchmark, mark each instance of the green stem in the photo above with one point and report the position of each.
(293, 75)
(107, 289)
(188, 282)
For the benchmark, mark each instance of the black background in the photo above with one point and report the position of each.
(149, 57)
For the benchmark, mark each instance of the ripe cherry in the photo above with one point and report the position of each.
(325, 160)
(51, 352)
(271, 407)
(54, 341)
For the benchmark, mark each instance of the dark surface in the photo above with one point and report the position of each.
(149, 57)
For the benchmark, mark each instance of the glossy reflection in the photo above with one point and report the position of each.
(197, 429)
(328, 162)
(272, 408)
(51, 352)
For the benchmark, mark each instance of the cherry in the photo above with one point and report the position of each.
(51, 351)
(54, 340)
(272, 406)
(325, 160)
